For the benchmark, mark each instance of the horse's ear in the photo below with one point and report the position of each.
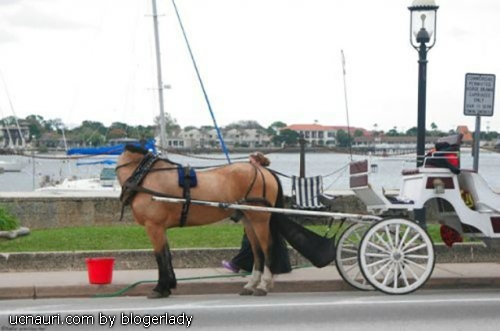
(136, 149)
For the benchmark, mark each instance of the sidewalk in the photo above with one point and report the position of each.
(51, 284)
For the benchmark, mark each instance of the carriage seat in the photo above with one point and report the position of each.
(307, 193)
(445, 154)
(374, 201)
(484, 198)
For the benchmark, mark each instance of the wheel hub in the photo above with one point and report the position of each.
(397, 256)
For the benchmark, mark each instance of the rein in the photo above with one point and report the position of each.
(125, 165)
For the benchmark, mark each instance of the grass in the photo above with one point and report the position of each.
(134, 237)
(120, 237)
(7, 221)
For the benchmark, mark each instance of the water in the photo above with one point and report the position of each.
(332, 166)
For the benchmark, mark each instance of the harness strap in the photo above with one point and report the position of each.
(135, 188)
(131, 185)
(263, 182)
(253, 181)
(259, 200)
(186, 194)
(136, 178)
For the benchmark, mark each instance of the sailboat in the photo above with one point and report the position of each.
(11, 166)
(103, 157)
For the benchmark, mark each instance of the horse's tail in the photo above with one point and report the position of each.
(319, 250)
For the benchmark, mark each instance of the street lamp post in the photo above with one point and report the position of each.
(422, 38)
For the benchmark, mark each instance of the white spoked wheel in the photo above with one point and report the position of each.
(346, 259)
(396, 256)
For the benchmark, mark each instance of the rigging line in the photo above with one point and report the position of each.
(346, 108)
(215, 158)
(219, 135)
(337, 170)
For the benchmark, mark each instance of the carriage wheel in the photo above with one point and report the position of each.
(346, 259)
(396, 256)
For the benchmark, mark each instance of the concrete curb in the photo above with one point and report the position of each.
(197, 258)
(187, 288)
(225, 287)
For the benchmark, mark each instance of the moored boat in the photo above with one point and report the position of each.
(11, 166)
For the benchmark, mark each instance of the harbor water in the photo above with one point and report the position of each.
(386, 171)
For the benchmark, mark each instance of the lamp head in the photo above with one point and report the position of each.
(423, 23)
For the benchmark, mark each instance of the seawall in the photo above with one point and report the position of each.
(43, 210)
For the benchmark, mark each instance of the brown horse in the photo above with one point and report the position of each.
(143, 175)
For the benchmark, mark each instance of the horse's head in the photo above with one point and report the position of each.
(128, 161)
(136, 149)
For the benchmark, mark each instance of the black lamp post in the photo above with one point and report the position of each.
(422, 38)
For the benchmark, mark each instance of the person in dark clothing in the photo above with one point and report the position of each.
(445, 155)
(243, 260)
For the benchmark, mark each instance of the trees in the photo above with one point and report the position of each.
(286, 137)
(247, 124)
(35, 125)
(392, 132)
(171, 126)
(412, 132)
(93, 133)
(275, 127)
(343, 138)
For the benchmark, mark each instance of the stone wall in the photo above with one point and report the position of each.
(41, 212)
(54, 212)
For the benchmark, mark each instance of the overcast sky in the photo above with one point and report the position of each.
(262, 60)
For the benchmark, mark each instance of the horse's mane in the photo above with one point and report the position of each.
(136, 149)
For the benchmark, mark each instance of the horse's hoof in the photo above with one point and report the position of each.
(158, 295)
(259, 292)
(246, 291)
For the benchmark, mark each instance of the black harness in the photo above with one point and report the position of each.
(187, 182)
(132, 184)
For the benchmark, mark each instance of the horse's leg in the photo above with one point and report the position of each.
(166, 275)
(261, 230)
(250, 286)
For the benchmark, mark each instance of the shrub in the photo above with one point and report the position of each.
(8, 222)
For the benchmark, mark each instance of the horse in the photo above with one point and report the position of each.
(143, 175)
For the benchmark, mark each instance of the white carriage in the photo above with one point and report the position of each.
(396, 255)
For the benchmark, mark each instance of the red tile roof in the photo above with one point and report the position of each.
(319, 127)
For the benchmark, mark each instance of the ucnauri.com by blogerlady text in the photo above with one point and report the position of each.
(102, 319)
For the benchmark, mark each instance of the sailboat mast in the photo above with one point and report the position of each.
(159, 79)
(346, 108)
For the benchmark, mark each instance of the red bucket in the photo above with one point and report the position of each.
(100, 269)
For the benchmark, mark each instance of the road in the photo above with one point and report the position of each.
(422, 310)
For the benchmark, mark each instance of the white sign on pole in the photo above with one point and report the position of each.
(479, 94)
